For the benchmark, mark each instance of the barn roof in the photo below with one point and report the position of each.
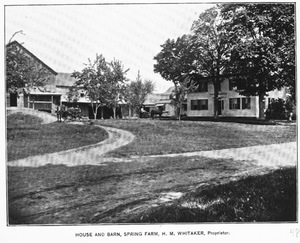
(64, 79)
(31, 55)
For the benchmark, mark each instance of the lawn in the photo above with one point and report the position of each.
(139, 192)
(167, 136)
(26, 136)
(262, 198)
(152, 190)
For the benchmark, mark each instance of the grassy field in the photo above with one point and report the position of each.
(209, 190)
(26, 136)
(167, 136)
(263, 198)
(138, 192)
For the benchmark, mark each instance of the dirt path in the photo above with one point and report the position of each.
(263, 155)
(274, 155)
(87, 155)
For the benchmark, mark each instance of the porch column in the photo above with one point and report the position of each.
(52, 104)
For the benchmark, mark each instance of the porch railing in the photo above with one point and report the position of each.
(41, 105)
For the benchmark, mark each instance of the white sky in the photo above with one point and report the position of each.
(65, 36)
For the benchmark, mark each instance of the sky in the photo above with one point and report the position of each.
(66, 36)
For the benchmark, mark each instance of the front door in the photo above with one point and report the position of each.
(220, 107)
(13, 99)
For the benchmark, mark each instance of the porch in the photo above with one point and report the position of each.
(43, 102)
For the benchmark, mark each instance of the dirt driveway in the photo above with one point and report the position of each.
(85, 187)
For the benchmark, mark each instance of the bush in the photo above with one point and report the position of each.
(279, 109)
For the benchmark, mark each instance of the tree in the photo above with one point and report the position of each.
(175, 59)
(93, 80)
(22, 70)
(211, 47)
(179, 94)
(175, 63)
(73, 94)
(116, 88)
(137, 92)
(263, 48)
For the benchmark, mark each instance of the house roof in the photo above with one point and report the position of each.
(64, 79)
(153, 99)
(31, 55)
(40, 91)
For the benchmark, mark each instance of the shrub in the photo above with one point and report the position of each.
(279, 109)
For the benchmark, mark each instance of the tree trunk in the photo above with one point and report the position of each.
(95, 113)
(178, 113)
(114, 112)
(101, 112)
(261, 106)
(216, 103)
(129, 111)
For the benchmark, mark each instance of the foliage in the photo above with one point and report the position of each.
(174, 63)
(179, 94)
(175, 59)
(204, 53)
(102, 82)
(93, 81)
(137, 92)
(73, 94)
(22, 70)
(263, 47)
(279, 109)
(211, 45)
(117, 86)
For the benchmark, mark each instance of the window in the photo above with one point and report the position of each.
(203, 104)
(246, 103)
(231, 85)
(194, 105)
(202, 87)
(234, 103)
(221, 104)
(199, 104)
(82, 95)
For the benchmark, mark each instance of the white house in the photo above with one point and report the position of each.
(231, 103)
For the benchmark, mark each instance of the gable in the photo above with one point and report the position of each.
(32, 56)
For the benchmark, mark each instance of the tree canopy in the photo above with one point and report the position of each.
(211, 47)
(253, 44)
(263, 47)
(175, 59)
(102, 82)
(137, 92)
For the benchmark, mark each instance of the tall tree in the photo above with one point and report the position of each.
(93, 81)
(137, 92)
(211, 46)
(175, 59)
(263, 48)
(117, 86)
(175, 63)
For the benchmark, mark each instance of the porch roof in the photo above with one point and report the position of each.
(42, 93)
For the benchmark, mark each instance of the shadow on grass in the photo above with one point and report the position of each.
(265, 198)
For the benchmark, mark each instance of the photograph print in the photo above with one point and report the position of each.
(150, 113)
